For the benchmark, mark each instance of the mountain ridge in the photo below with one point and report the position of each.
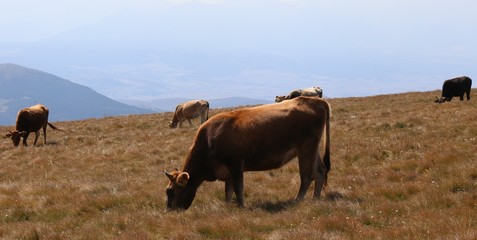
(22, 87)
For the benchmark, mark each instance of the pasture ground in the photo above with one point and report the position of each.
(403, 167)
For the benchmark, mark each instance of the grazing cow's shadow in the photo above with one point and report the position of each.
(39, 145)
(334, 196)
(48, 143)
(53, 142)
(275, 207)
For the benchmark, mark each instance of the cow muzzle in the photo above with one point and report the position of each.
(440, 99)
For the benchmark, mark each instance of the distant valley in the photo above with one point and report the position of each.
(169, 104)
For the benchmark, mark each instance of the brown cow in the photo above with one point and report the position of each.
(255, 139)
(190, 110)
(309, 92)
(30, 119)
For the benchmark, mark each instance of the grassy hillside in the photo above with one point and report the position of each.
(403, 167)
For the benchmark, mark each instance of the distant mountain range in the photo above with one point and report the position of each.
(169, 104)
(22, 87)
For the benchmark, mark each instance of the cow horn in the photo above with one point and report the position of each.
(183, 179)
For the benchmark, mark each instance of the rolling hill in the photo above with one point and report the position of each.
(402, 167)
(22, 87)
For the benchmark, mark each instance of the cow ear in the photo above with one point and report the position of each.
(9, 134)
(183, 179)
(170, 176)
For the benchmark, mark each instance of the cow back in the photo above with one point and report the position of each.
(308, 92)
(32, 119)
(193, 109)
(456, 86)
(266, 136)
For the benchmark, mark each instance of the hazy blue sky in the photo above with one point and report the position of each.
(349, 47)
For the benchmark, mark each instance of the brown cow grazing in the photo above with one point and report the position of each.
(190, 110)
(255, 139)
(455, 87)
(30, 119)
(308, 92)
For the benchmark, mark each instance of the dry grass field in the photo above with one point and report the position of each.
(403, 167)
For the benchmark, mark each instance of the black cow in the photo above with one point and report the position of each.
(455, 87)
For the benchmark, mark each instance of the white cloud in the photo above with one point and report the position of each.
(195, 1)
(3, 105)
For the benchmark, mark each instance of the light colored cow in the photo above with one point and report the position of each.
(308, 92)
(190, 110)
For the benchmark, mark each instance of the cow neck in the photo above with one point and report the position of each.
(195, 161)
(193, 168)
(175, 119)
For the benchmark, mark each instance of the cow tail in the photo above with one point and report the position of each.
(53, 127)
(326, 158)
(207, 113)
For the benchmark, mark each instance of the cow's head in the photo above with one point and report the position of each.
(441, 99)
(180, 193)
(280, 98)
(172, 124)
(16, 136)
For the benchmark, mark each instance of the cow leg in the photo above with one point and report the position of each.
(237, 183)
(306, 165)
(320, 176)
(203, 117)
(37, 135)
(305, 182)
(306, 177)
(180, 123)
(468, 94)
(44, 134)
(190, 123)
(229, 191)
(25, 137)
(461, 97)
